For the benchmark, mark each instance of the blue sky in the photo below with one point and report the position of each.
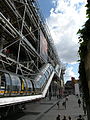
(71, 71)
(45, 6)
(64, 18)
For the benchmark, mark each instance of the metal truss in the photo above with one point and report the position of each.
(20, 25)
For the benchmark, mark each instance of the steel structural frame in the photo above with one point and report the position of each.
(35, 61)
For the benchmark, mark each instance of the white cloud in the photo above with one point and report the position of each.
(66, 18)
(70, 73)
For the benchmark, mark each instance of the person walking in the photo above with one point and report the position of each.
(50, 96)
(66, 98)
(84, 109)
(64, 118)
(69, 118)
(79, 102)
(64, 104)
(80, 118)
(58, 104)
(58, 117)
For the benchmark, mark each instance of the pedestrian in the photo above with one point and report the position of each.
(64, 104)
(69, 118)
(79, 102)
(77, 95)
(67, 98)
(58, 117)
(64, 118)
(50, 96)
(58, 104)
(80, 118)
(84, 109)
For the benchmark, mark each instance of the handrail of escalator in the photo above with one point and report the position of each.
(42, 78)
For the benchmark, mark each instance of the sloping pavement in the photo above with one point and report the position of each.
(72, 109)
(48, 110)
(36, 109)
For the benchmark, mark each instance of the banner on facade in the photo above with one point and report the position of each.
(43, 46)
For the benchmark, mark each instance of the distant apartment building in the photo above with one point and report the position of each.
(69, 88)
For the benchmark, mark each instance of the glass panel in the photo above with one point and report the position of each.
(49, 70)
(2, 80)
(16, 84)
(42, 80)
(29, 84)
(37, 85)
(2, 83)
(8, 82)
(24, 85)
(47, 74)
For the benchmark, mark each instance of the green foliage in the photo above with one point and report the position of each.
(84, 38)
(88, 11)
(84, 84)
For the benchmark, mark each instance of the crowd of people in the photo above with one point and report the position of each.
(64, 103)
(69, 118)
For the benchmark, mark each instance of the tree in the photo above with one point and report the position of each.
(84, 40)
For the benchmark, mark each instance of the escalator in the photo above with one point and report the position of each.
(41, 85)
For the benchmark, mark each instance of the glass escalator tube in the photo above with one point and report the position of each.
(42, 78)
(2, 84)
(16, 85)
(8, 87)
(23, 86)
(29, 87)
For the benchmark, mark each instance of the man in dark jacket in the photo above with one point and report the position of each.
(80, 118)
(79, 102)
(58, 117)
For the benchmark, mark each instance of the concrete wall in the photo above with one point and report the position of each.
(77, 91)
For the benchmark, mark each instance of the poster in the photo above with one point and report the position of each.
(43, 46)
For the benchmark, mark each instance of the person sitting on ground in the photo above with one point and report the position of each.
(58, 117)
(64, 118)
(80, 118)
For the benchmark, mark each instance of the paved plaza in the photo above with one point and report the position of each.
(48, 110)
(72, 109)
